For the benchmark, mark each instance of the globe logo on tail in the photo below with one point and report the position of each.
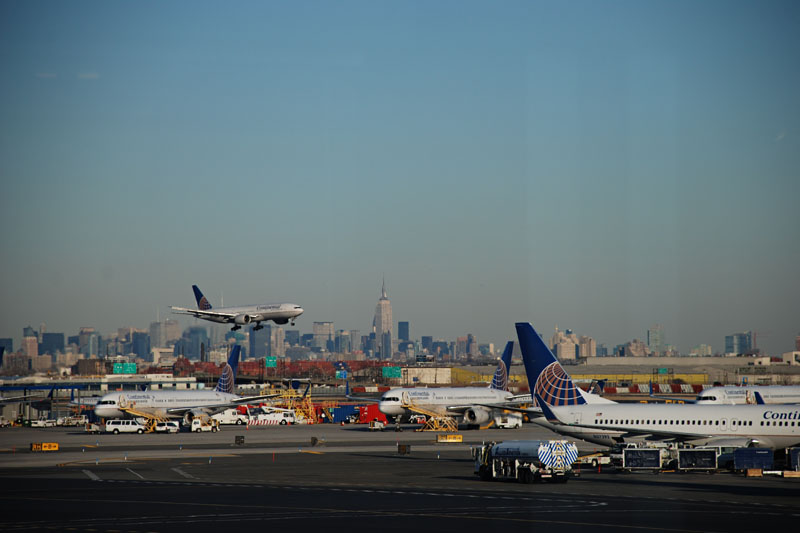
(555, 387)
(500, 378)
(225, 383)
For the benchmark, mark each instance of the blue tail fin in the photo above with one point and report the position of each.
(227, 380)
(202, 301)
(501, 375)
(759, 398)
(546, 377)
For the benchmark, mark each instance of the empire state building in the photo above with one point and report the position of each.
(382, 325)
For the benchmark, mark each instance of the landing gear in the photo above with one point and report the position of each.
(292, 322)
(258, 327)
(235, 328)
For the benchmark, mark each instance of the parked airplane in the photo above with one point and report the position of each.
(735, 395)
(186, 404)
(241, 316)
(771, 426)
(476, 404)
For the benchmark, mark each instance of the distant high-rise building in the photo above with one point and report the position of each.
(655, 339)
(382, 324)
(140, 344)
(587, 347)
(277, 341)
(292, 337)
(30, 346)
(323, 332)
(52, 343)
(355, 341)
(259, 340)
(342, 344)
(427, 343)
(8, 344)
(739, 343)
(797, 344)
(402, 331)
(28, 331)
(192, 339)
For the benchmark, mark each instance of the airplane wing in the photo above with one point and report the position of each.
(6, 399)
(201, 313)
(219, 407)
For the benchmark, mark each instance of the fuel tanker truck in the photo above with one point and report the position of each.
(526, 461)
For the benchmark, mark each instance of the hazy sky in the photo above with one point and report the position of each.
(602, 166)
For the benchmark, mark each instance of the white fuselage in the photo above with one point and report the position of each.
(734, 395)
(774, 426)
(280, 313)
(158, 402)
(443, 401)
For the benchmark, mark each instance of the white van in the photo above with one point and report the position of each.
(167, 427)
(125, 426)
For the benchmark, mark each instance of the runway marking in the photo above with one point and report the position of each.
(135, 473)
(181, 472)
(92, 475)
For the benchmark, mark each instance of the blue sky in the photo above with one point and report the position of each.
(603, 166)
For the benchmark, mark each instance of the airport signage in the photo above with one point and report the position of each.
(271, 362)
(391, 372)
(663, 371)
(341, 374)
(124, 368)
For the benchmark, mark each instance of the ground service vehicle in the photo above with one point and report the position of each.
(199, 425)
(169, 426)
(280, 417)
(526, 461)
(124, 426)
(92, 428)
(230, 416)
(376, 425)
(508, 421)
(43, 423)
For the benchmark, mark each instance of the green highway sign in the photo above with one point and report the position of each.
(391, 372)
(271, 362)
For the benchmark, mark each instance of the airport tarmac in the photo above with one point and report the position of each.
(351, 480)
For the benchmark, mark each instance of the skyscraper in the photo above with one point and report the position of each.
(655, 339)
(739, 343)
(323, 332)
(402, 331)
(382, 324)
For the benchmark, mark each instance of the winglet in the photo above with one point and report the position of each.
(546, 411)
(759, 399)
(202, 301)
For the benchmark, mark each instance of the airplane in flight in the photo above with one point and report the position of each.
(476, 405)
(243, 315)
(773, 426)
(186, 404)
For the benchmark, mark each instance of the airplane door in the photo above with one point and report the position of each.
(723, 424)
(404, 398)
(734, 425)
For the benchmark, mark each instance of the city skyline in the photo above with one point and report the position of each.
(602, 166)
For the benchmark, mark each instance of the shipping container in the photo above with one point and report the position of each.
(752, 458)
(641, 459)
(697, 459)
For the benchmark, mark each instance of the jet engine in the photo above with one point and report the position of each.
(191, 415)
(476, 415)
(242, 320)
